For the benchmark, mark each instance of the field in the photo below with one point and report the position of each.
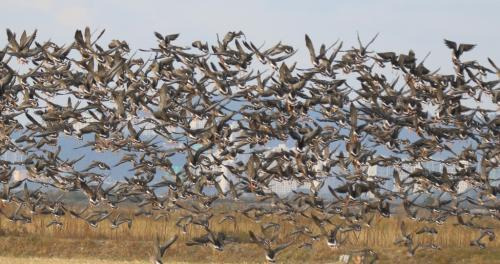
(36, 260)
(77, 240)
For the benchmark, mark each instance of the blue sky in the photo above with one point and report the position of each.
(419, 25)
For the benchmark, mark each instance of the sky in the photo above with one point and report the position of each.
(402, 25)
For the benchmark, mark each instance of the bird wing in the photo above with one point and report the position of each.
(465, 47)
(450, 44)
(403, 228)
(167, 244)
(310, 47)
(282, 246)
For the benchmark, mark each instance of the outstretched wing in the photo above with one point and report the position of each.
(167, 244)
(282, 246)
(450, 44)
(310, 47)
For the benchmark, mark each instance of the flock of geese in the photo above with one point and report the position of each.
(224, 108)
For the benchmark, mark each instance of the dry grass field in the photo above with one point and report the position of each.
(38, 260)
(35, 243)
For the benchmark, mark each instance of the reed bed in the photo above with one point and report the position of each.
(77, 239)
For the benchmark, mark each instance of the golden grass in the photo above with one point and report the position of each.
(36, 260)
(76, 239)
